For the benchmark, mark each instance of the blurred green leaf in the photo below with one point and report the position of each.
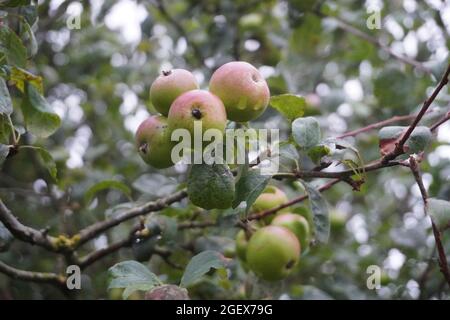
(106, 184)
(4, 151)
(319, 209)
(12, 47)
(317, 152)
(20, 77)
(48, 162)
(6, 106)
(14, 3)
(39, 116)
(132, 276)
(32, 38)
(289, 105)
(249, 186)
(306, 132)
(200, 265)
(5, 238)
(440, 211)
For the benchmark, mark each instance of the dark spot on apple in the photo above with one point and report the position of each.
(196, 113)
(143, 148)
(166, 72)
(290, 264)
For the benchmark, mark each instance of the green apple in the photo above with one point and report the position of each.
(153, 142)
(273, 252)
(168, 86)
(197, 106)
(297, 224)
(241, 245)
(242, 89)
(270, 198)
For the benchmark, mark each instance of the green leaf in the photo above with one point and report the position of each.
(12, 47)
(155, 184)
(250, 185)
(6, 106)
(5, 238)
(5, 129)
(289, 105)
(317, 152)
(306, 132)
(39, 116)
(132, 276)
(20, 77)
(319, 209)
(417, 142)
(106, 184)
(211, 186)
(48, 162)
(33, 42)
(14, 3)
(200, 265)
(439, 210)
(4, 151)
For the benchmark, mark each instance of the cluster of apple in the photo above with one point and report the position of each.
(273, 250)
(237, 92)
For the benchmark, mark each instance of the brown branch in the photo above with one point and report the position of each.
(25, 233)
(426, 104)
(377, 125)
(95, 229)
(41, 277)
(101, 253)
(196, 224)
(440, 122)
(437, 234)
(260, 215)
(346, 26)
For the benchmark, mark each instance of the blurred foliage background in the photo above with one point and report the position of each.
(97, 79)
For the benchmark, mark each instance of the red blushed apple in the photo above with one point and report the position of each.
(242, 89)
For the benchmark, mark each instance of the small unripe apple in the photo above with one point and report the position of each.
(242, 89)
(297, 224)
(169, 86)
(273, 252)
(197, 105)
(153, 142)
(270, 198)
(241, 245)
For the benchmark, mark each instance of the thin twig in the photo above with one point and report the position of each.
(377, 125)
(398, 150)
(95, 229)
(440, 122)
(41, 277)
(260, 215)
(437, 234)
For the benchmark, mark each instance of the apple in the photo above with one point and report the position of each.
(197, 106)
(273, 252)
(242, 89)
(241, 245)
(297, 224)
(153, 142)
(270, 198)
(169, 86)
